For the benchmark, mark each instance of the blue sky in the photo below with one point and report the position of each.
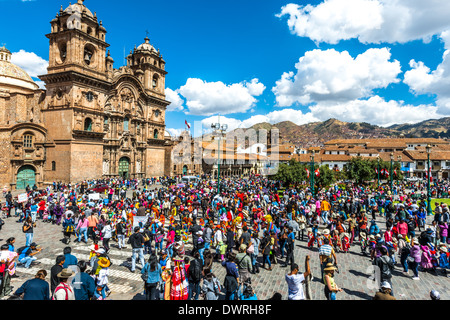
(377, 61)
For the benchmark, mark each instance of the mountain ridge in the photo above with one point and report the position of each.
(317, 133)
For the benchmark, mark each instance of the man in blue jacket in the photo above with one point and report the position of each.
(70, 259)
(83, 284)
(35, 289)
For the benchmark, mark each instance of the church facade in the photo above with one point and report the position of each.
(92, 120)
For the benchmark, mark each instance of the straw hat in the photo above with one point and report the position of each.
(65, 273)
(329, 267)
(104, 262)
(326, 232)
(443, 249)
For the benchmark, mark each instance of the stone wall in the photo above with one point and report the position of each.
(86, 162)
(58, 124)
(155, 162)
(60, 154)
(5, 164)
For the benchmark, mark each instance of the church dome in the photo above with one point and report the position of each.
(12, 75)
(146, 46)
(80, 8)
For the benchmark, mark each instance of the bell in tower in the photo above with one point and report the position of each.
(77, 29)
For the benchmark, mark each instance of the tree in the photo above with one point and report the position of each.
(290, 173)
(326, 178)
(360, 170)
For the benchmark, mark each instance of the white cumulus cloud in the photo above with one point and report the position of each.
(208, 98)
(30, 62)
(422, 80)
(369, 21)
(175, 99)
(336, 76)
(375, 110)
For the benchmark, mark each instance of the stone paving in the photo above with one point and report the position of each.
(353, 277)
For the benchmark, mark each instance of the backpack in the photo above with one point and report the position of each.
(67, 293)
(69, 228)
(21, 249)
(195, 271)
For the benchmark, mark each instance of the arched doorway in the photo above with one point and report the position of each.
(26, 176)
(185, 170)
(124, 167)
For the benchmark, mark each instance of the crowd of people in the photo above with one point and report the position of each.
(252, 223)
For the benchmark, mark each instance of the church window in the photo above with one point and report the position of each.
(90, 96)
(28, 141)
(88, 124)
(89, 54)
(63, 52)
(106, 120)
(53, 166)
(126, 123)
(157, 113)
(155, 81)
(155, 134)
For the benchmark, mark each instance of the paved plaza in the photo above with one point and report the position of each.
(353, 276)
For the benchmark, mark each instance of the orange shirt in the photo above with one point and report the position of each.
(325, 206)
(92, 221)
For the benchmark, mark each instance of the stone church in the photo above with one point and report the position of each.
(92, 120)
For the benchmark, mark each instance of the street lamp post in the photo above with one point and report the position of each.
(378, 171)
(392, 174)
(221, 129)
(429, 181)
(312, 173)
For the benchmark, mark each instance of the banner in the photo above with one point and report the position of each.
(94, 196)
(22, 198)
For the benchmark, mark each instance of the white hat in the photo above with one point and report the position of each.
(386, 285)
(326, 232)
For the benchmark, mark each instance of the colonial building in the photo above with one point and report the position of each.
(92, 120)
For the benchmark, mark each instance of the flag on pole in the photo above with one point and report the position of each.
(187, 124)
(307, 172)
(317, 173)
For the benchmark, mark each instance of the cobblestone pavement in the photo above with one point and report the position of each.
(353, 277)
